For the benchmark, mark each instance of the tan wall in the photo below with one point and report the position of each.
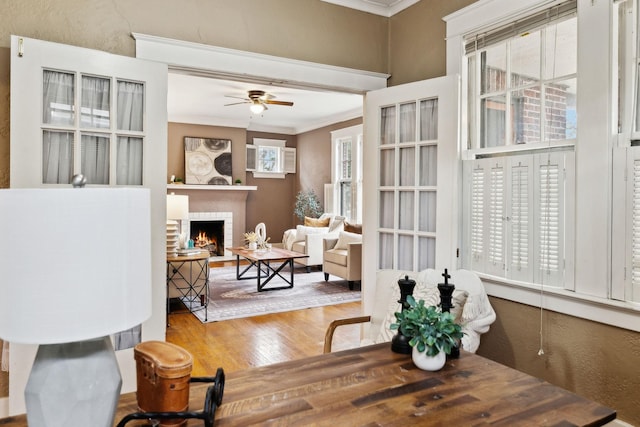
(417, 41)
(272, 203)
(314, 145)
(596, 361)
(175, 155)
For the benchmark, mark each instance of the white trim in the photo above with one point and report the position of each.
(230, 62)
(376, 7)
(616, 313)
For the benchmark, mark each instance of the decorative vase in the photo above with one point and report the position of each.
(253, 246)
(428, 363)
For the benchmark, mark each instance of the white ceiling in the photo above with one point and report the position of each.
(201, 100)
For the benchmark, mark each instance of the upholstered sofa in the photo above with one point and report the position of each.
(307, 239)
(342, 257)
(472, 308)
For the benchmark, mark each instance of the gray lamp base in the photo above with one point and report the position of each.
(73, 384)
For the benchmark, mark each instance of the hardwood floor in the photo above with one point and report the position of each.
(242, 343)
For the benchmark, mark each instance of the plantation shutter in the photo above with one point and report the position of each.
(496, 217)
(252, 153)
(550, 211)
(632, 290)
(521, 219)
(289, 160)
(477, 209)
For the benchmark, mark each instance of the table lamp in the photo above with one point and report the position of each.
(76, 268)
(177, 210)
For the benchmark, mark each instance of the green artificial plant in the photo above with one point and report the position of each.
(427, 327)
(307, 204)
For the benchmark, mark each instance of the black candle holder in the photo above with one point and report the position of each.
(446, 293)
(400, 343)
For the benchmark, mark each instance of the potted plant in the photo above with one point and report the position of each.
(431, 332)
(238, 181)
(307, 204)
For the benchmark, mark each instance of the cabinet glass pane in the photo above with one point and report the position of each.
(405, 252)
(428, 119)
(406, 210)
(426, 253)
(129, 161)
(428, 165)
(388, 125)
(387, 168)
(58, 106)
(408, 122)
(427, 211)
(57, 157)
(407, 166)
(95, 158)
(386, 209)
(386, 251)
(130, 108)
(95, 102)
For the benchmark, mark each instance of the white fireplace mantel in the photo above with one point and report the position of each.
(211, 187)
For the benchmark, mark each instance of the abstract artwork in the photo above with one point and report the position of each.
(207, 161)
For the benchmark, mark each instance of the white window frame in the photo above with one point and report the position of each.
(595, 278)
(284, 158)
(332, 191)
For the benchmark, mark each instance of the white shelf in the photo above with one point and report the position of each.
(211, 187)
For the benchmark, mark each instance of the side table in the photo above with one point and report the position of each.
(188, 280)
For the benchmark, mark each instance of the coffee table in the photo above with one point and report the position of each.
(261, 260)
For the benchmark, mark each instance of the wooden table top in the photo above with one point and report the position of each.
(272, 254)
(372, 386)
(195, 256)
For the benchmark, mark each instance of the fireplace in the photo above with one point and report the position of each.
(211, 230)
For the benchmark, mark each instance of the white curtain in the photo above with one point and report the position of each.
(96, 96)
(428, 119)
(130, 118)
(388, 125)
(95, 158)
(58, 109)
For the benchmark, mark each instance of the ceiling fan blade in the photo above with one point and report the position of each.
(236, 103)
(238, 97)
(273, 102)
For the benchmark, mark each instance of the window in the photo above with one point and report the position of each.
(344, 195)
(522, 103)
(522, 89)
(108, 150)
(269, 158)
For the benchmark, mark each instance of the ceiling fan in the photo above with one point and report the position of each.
(259, 100)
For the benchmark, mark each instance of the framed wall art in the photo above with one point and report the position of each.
(207, 161)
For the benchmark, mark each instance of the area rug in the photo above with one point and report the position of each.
(233, 299)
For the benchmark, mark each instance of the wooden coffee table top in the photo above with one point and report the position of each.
(272, 254)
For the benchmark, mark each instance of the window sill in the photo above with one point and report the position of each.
(610, 312)
(275, 175)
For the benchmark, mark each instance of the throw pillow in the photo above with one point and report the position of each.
(344, 238)
(316, 222)
(353, 228)
(302, 231)
(336, 224)
(430, 295)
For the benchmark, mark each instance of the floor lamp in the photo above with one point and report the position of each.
(76, 268)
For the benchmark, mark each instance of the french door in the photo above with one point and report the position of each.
(76, 110)
(410, 178)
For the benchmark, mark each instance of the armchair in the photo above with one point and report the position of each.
(342, 257)
(308, 239)
(472, 308)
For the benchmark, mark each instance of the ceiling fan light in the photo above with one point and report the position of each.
(256, 108)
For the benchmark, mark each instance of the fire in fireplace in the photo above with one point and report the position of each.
(208, 235)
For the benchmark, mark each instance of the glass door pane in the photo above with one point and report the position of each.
(408, 122)
(58, 96)
(95, 108)
(57, 157)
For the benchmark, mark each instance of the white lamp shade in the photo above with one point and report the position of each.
(177, 206)
(75, 263)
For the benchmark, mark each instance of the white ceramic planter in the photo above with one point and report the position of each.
(428, 363)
